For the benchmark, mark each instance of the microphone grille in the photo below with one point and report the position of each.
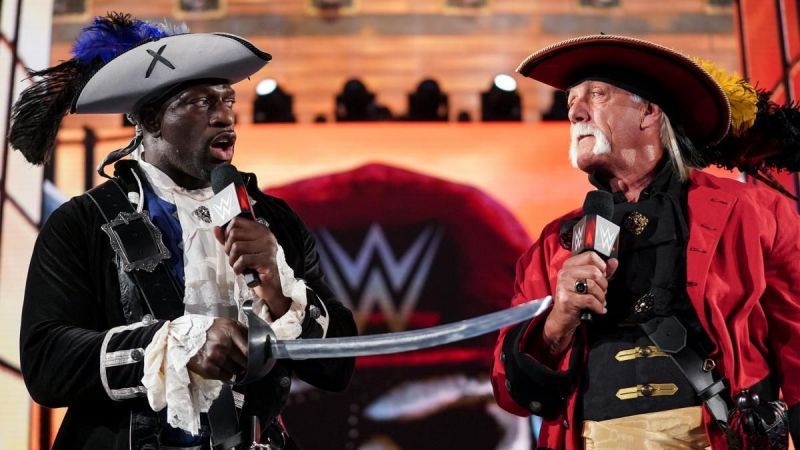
(223, 175)
(599, 203)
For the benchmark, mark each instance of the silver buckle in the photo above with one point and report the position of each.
(135, 251)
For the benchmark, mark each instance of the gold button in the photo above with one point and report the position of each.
(644, 352)
(646, 390)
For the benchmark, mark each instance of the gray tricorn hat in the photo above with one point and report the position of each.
(144, 72)
(120, 64)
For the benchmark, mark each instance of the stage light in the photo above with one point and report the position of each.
(501, 102)
(428, 102)
(357, 104)
(505, 82)
(272, 104)
(265, 87)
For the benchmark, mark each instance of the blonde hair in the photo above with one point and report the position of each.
(670, 144)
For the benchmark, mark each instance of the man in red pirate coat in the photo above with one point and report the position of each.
(695, 337)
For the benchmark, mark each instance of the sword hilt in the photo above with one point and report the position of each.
(259, 356)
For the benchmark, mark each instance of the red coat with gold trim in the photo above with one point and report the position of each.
(743, 279)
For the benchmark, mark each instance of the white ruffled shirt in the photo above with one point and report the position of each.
(212, 290)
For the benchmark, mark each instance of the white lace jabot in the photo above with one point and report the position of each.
(212, 290)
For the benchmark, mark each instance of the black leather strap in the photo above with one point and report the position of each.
(160, 292)
(224, 421)
(711, 391)
(667, 331)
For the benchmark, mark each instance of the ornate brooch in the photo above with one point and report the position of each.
(203, 214)
(636, 222)
(644, 304)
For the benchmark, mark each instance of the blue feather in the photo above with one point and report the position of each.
(110, 36)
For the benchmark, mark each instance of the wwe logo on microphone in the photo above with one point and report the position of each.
(577, 236)
(607, 236)
(595, 233)
(224, 206)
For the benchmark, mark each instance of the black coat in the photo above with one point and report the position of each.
(74, 307)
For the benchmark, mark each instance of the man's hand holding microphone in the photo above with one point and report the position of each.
(583, 279)
(251, 248)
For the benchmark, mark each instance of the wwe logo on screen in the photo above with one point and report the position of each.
(384, 280)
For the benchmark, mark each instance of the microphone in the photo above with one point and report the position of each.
(595, 232)
(223, 176)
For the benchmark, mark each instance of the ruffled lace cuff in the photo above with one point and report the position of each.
(289, 325)
(169, 383)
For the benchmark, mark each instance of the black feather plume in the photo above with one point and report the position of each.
(37, 114)
(773, 142)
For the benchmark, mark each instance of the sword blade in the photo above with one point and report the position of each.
(405, 341)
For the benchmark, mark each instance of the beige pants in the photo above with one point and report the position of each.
(672, 429)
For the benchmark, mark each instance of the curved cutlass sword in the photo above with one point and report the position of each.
(264, 348)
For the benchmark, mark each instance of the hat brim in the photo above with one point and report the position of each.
(688, 94)
(153, 67)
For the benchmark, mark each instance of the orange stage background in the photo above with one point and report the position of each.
(522, 165)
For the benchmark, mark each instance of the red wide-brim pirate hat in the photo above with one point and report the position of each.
(685, 91)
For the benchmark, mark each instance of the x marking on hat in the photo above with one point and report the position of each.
(156, 58)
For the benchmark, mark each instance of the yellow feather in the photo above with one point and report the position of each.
(742, 96)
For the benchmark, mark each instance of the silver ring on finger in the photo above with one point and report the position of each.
(581, 286)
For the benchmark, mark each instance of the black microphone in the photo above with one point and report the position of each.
(595, 232)
(223, 176)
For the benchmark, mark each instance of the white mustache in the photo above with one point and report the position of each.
(580, 129)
